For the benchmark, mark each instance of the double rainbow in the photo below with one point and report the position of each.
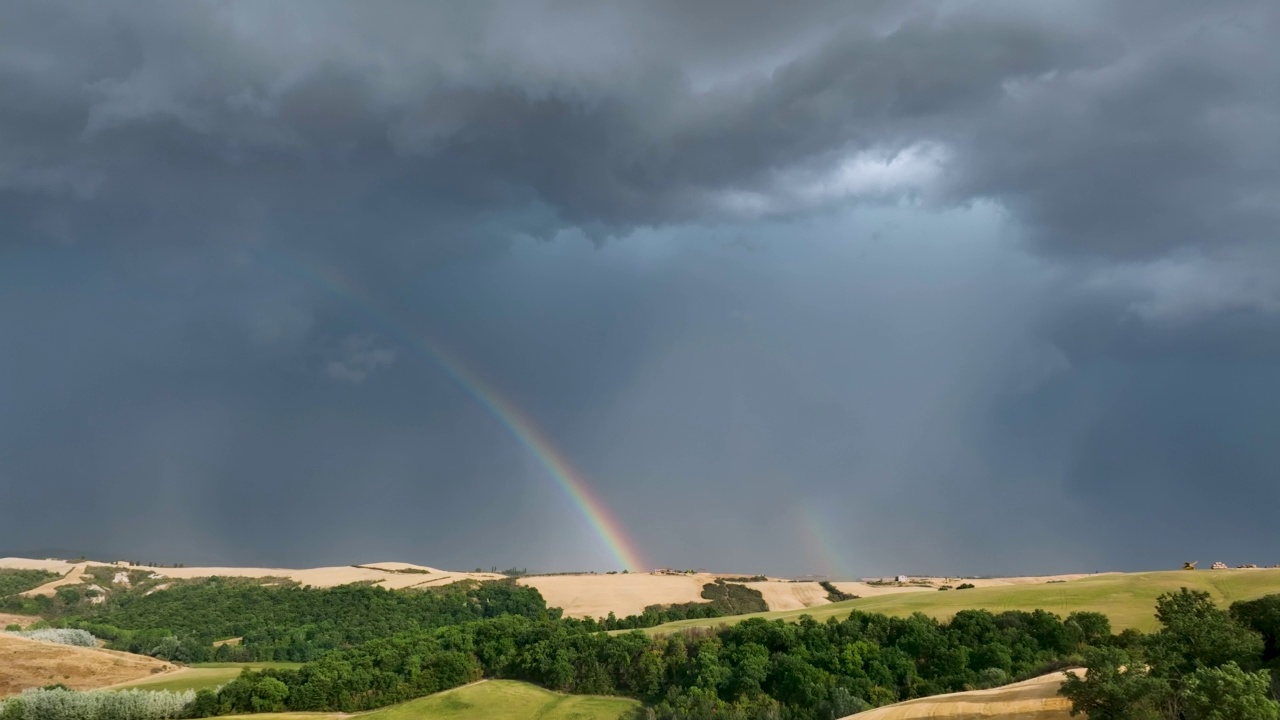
(521, 427)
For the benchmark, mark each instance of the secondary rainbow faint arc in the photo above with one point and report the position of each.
(507, 413)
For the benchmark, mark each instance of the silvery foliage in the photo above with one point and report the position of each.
(63, 636)
(36, 704)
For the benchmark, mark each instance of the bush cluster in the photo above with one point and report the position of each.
(13, 581)
(62, 704)
(835, 594)
(62, 636)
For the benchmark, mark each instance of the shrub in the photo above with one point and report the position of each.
(734, 599)
(62, 636)
(991, 677)
(835, 594)
(13, 582)
(965, 586)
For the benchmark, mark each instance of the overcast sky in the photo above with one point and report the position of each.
(806, 287)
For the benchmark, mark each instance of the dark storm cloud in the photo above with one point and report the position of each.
(1108, 129)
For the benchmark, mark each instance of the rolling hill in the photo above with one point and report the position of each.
(486, 699)
(1127, 598)
(31, 663)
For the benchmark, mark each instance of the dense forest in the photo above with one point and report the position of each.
(755, 669)
(289, 623)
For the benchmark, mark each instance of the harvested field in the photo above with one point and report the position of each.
(790, 595)
(630, 594)
(1034, 699)
(31, 663)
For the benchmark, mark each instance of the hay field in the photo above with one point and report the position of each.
(487, 699)
(1127, 598)
(790, 595)
(1034, 699)
(598, 595)
(32, 663)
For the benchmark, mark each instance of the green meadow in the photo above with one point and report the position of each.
(201, 676)
(1127, 598)
(488, 699)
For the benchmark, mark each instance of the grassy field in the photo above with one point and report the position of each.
(1128, 598)
(200, 676)
(489, 699)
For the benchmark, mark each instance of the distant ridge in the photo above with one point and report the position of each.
(61, 554)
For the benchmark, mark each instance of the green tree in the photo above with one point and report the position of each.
(1261, 616)
(1088, 628)
(1115, 686)
(1197, 634)
(269, 695)
(1229, 693)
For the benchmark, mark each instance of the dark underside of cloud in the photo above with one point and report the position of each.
(993, 285)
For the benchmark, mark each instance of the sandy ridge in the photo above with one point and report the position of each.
(1034, 699)
(578, 595)
(384, 573)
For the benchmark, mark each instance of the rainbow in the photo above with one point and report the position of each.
(521, 427)
(820, 534)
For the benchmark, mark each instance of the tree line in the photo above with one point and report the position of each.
(294, 624)
(755, 669)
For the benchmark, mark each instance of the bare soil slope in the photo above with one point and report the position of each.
(22, 621)
(32, 663)
(1034, 699)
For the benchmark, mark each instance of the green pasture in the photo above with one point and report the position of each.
(506, 699)
(201, 676)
